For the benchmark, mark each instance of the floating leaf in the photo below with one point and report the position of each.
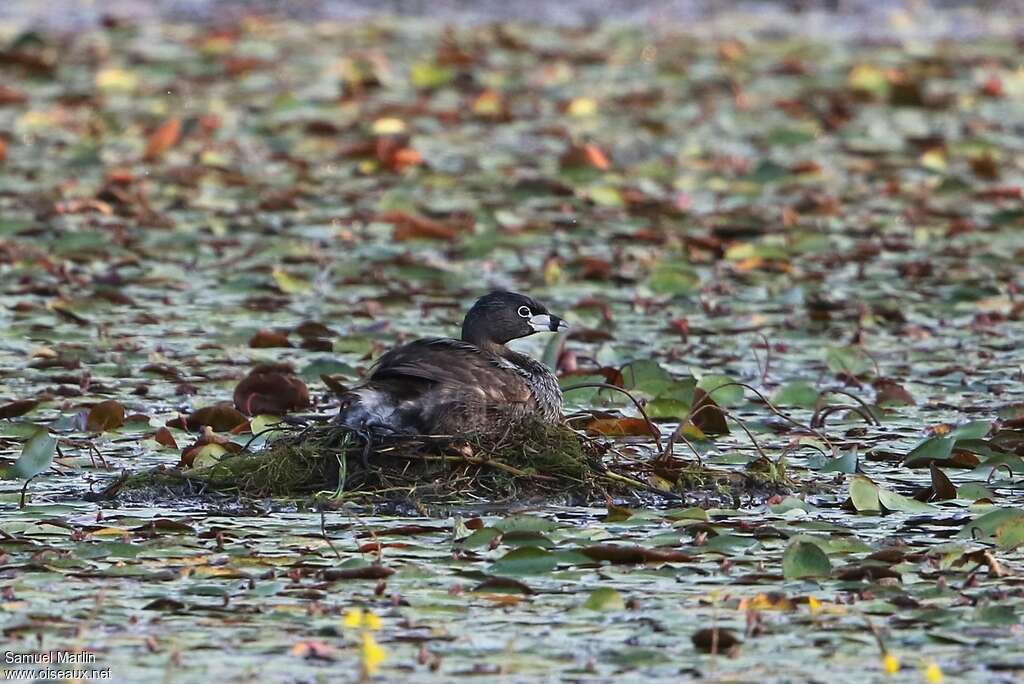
(268, 339)
(646, 378)
(621, 427)
(673, 279)
(290, 284)
(929, 451)
(105, 416)
(269, 388)
(1010, 534)
(864, 495)
(798, 393)
(605, 599)
(162, 139)
(219, 417)
(164, 437)
(36, 456)
(715, 640)
(722, 389)
(804, 559)
(850, 361)
(15, 409)
(891, 501)
(707, 415)
(526, 560)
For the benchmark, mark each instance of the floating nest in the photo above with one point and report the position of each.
(531, 461)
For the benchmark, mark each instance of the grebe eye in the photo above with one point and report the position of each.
(524, 311)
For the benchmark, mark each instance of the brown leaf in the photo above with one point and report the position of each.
(395, 155)
(313, 329)
(334, 385)
(586, 155)
(890, 392)
(3, 150)
(315, 650)
(411, 226)
(162, 139)
(266, 339)
(220, 417)
(715, 640)
(105, 416)
(208, 436)
(400, 531)
(707, 415)
(503, 585)
(621, 427)
(17, 408)
(942, 488)
(632, 555)
(10, 96)
(271, 389)
(370, 572)
(163, 436)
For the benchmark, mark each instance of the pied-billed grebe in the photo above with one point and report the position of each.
(444, 386)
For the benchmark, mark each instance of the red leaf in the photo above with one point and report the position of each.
(707, 415)
(621, 427)
(163, 436)
(272, 389)
(366, 572)
(410, 226)
(633, 555)
(715, 640)
(17, 408)
(266, 339)
(220, 417)
(10, 96)
(104, 416)
(586, 155)
(162, 139)
(188, 456)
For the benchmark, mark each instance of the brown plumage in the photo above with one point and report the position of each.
(473, 385)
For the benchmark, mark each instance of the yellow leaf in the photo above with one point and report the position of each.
(488, 103)
(765, 601)
(290, 284)
(388, 126)
(116, 80)
(208, 455)
(582, 106)
(553, 272)
(374, 655)
(660, 483)
(933, 673)
(217, 45)
(934, 159)
(814, 604)
(691, 431)
(36, 120)
(741, 251)
(890, 663)
(372, 621)
(869, 78)
(353, 618)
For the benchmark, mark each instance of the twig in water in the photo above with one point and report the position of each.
(774, 409)
(323, 532)
(819, 416)
(655, 432)
(767, 356)
(869, 418)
